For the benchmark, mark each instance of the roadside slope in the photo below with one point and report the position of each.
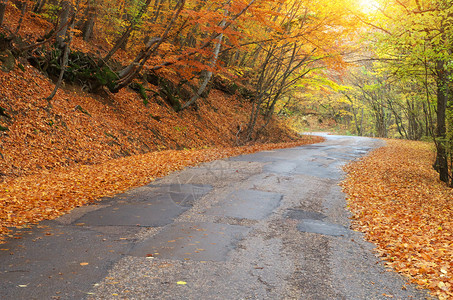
(79, 147)
(80, 128)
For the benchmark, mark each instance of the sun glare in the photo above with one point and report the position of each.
(368, 6)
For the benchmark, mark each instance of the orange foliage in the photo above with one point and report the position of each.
(80, 128)
(403, 208)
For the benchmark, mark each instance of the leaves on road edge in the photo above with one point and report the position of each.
(402, 207)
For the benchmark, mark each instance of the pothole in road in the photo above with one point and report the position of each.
(325, 228)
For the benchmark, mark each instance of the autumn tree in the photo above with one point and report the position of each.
(415, 38)
(302, 38)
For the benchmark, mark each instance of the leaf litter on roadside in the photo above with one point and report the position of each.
(402, 207)
(49, 194)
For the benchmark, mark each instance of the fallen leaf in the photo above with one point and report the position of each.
(387, 192)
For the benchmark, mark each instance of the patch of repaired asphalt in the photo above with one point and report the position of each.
(155, 212)
(299, 214)
(153, 207)
(192, 241)
(247, 204)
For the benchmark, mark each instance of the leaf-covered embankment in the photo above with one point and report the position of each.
(398, 201)
(82, 128)
(80, 147)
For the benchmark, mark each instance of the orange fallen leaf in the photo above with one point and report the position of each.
(399, 203)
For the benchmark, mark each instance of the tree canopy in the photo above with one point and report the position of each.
(380, 68)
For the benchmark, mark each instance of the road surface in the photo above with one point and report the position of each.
(270, 225)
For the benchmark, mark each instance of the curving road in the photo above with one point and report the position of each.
(270, 225)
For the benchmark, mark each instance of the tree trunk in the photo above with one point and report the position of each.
(361, 122)
(38, 6)
(157, 7)
(66, 9)
(256, 105)
(64, 64)
(122, 40)
(354, 113)
(23, 10)
(441, 129)
(87, 29)
(205, 44)
(208, 73)
(131, 71)
(3, 4)
(65, 58)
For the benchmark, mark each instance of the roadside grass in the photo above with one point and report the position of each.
(398, 201)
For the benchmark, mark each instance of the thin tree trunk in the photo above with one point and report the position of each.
(63, 69)
(441, 129)
(65, 58)
(208, 41)
(208, 76)
(149, 45)
(22, 14)
(88, 27)
(256, 105)
(134, 68)
(49, 39)
(66, 9)
(361, 122)
(354, 113)
(157, 7)
(281, 84)
(38, 6)
(3, 4)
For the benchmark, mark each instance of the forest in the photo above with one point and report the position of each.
(89, 88)
(375, 69)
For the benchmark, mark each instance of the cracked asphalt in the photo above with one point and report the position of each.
(270, 225)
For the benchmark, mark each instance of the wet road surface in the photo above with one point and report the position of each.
(270, 225)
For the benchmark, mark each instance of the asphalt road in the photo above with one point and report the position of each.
(270, 225)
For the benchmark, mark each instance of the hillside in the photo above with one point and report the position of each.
(79, 146)
(81, 128)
